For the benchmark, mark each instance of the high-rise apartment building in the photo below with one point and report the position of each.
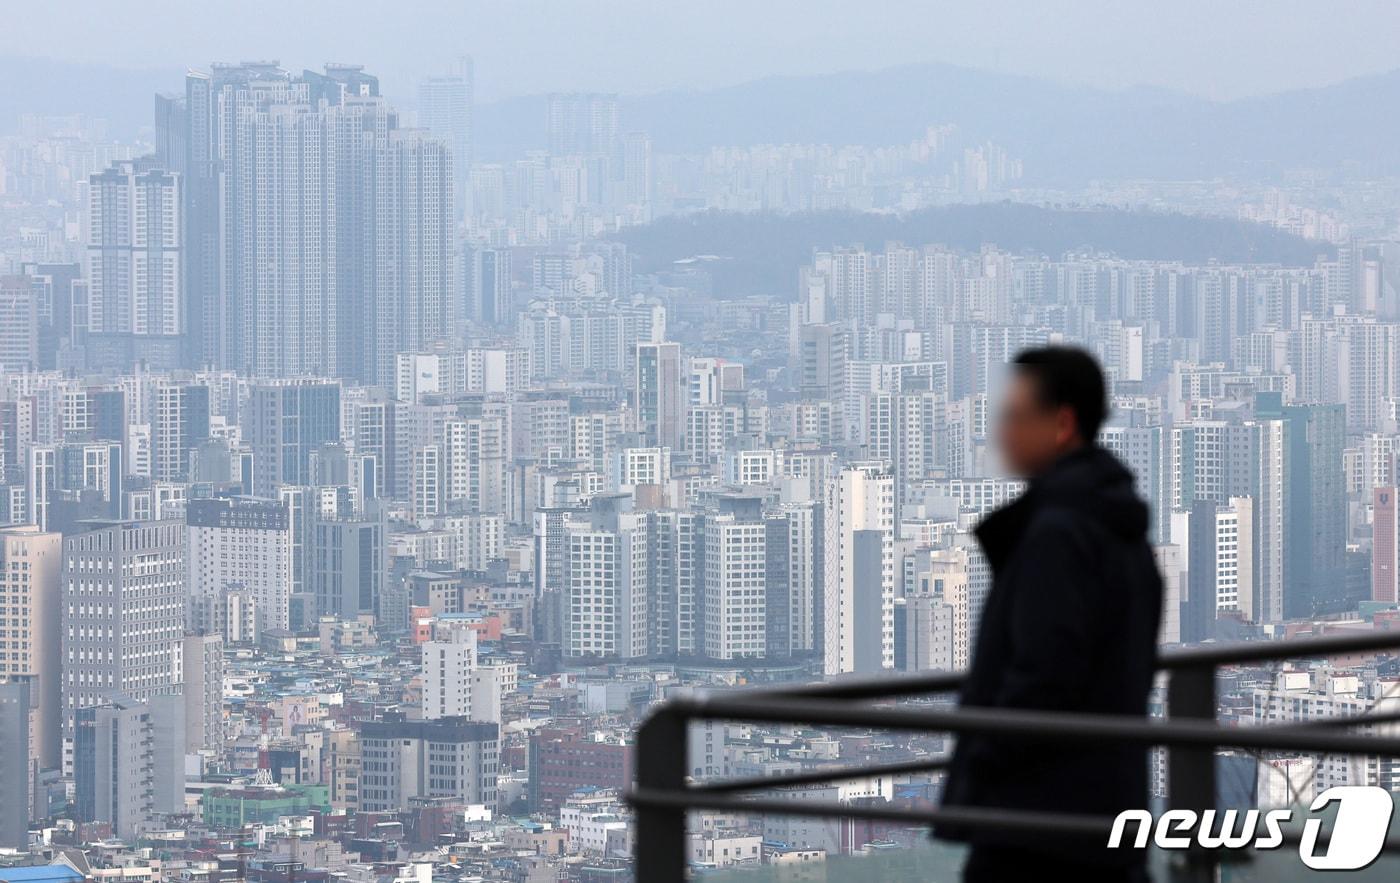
(293, 268)
(736, 588)
(203, 693)
(455, 683)
(1315, 515)
(858, 608)
(135, 266)
(488, 287)
(445, 109)
(1385, 545)
(1220, 570)
(448, 663)
(582, 123)
(180, 421)
(659, 394)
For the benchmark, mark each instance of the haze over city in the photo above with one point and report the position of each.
(427, 429)
(1215, 50)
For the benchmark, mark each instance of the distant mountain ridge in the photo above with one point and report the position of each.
(1065, 133)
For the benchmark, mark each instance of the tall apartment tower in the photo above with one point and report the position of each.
(30, 567)
(858, 610)
(1385, 544)
(445, 109)
(903, 429)
(135, 266)
(116, 574)
(475, 464)
(1315, 517)
(1220, 572)
(659, 394)
(318, 230)
(610, 581)
(583, 124)
(180, 421)
(736, 588)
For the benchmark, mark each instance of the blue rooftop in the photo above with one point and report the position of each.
(40, 874)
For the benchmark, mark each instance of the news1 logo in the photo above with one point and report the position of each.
(1358, 832)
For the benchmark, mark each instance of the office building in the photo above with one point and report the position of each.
(285, 423)
(18, 764)
(114, 574)
(348, 565)
(129, 762)
(239, 545)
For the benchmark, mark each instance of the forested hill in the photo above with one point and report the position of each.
(762, 251)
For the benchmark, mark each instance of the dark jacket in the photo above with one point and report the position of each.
(1070, 624)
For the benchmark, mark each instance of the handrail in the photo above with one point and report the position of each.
(663, 793)
(1232, 653)
(1048, 726)
(816, 777)
(1239, 652)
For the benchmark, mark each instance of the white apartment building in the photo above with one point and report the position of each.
(1327, 693)
(860, 576)
(735, 588)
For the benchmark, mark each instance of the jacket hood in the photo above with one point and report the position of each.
(1091, 481)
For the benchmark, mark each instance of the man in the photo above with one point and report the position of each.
(1070, 625)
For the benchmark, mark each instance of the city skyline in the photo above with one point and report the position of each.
(379, 452)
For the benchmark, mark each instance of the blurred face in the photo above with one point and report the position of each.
(1030, 435)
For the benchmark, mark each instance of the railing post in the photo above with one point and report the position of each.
(662, 755)
(1191, 770)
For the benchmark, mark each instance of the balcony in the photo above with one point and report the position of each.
(663, 793)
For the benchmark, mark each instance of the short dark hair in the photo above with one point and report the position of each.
(1067, 376)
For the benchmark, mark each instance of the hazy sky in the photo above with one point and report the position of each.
(1216, 48)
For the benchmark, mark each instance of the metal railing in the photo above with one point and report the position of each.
(662, 793)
